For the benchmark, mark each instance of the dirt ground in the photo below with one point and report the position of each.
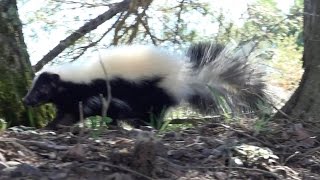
(212, 150)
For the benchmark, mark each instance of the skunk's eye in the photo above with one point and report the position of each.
(44, 90)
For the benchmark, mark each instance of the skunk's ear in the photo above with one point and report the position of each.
(54, 77)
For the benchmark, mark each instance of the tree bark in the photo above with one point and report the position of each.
(305, 102)
(15, 69)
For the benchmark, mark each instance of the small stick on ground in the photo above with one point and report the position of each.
(122, 168)
(105, 102)
(241, 168)
(180, 167)
(244, 134)
(43, 145)
(290, 157)
(81, 116)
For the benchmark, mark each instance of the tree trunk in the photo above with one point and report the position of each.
(305, 102)
(15, 69)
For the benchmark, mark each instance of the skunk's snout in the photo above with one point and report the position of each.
(25, 101)
(28, 102)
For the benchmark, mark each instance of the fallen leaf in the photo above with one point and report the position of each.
(76, 152)
(304, 138)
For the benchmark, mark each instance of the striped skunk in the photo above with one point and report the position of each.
(146, 81)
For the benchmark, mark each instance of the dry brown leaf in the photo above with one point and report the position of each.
(76, 152)
(303, 136)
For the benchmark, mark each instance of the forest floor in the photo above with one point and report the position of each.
(211, 150)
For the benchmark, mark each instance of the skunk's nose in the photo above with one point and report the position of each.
(24, 101)
(29, 101)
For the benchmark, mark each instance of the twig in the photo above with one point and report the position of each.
(194, 120)
(122, 168)
(290, 157)
(82, 4)
(244, 134)
(271, 104)
(230, 164)
(301, 155)
(311, 151)
(177, 166)
(118, 27)
(125, 5)
(105, 103)
(93, 43)
(240, 168)
(43, 145)
(146, 26)
(81, 116)
(18, 145)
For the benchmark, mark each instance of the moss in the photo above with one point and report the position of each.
(16, 72)
(11, 107)
(3, 125)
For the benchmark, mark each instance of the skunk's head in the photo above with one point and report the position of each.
(43, 89)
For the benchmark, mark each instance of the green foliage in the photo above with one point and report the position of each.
(298, 3)
(158, 122)
(176, 127)
(265, 115)
(287, 64)
(222, 103)
(270, 4)
(260, 125)
(96, 124)
(279, 38)
(3, 125)
(97, 121)
(12, 89)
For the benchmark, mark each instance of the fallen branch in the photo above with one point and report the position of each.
(18, 145)
(177, 166)
(240, 168)
(116, 8)
(244, 134)
(122, 168)
(43, 145)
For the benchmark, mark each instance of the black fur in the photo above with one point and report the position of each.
(225, 70)
(198, 53)
(130, 100)
(240, 84)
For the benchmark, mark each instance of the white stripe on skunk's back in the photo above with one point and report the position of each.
(133, 63)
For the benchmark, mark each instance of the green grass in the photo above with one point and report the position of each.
(95, 123)
(3, 125)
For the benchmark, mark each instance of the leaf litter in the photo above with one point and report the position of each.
(209, 150)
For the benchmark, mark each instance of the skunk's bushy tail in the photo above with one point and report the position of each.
(223, 79)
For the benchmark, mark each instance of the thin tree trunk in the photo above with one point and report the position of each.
(305, 102)
(15, 69)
